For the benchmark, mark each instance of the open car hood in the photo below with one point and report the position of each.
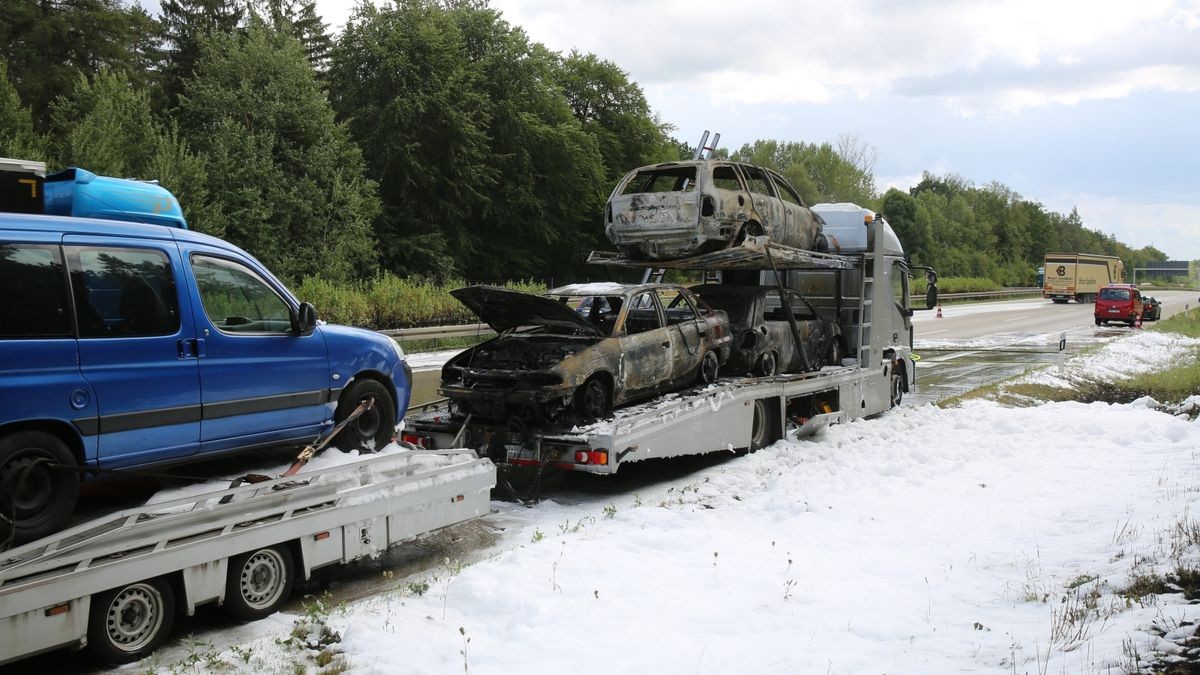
(503, 309)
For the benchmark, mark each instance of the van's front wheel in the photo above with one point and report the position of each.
(374, 428)
(39, 485)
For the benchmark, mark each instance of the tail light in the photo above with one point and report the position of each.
(419, 441)
(591, 456)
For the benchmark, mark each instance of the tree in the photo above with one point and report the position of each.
(185, 26)
(299, 19)
(614, 111)
(106, 126)
(291, 184)
(17, 136)
(49, 44)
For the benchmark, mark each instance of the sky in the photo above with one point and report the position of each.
(834, 554)
(1078, 103)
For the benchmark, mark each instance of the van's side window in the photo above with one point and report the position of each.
(33, 303)
(123, 292)
(237, 300)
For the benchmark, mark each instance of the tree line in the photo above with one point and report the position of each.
(428, 139)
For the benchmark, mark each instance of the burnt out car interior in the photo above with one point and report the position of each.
(582, 350)
(763, 342)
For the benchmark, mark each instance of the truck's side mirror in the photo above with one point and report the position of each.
(305, 319)
(931, 300)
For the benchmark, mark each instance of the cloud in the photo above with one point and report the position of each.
(1171, 227)
(974, 57)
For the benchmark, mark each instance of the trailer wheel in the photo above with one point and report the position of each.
(593, 399)
(36, 498)
(374, 428)
(258, 582)
(127, 623)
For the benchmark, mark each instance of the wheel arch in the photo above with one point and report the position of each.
(60, 429)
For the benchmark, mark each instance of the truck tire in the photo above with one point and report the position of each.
(760, 430)
(374, 428)
(127, 623)
(835, 352)
(897, 389)
(259, 582)
(36, 496)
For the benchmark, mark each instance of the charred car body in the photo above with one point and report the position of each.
(678, 209)
(763, 343)
(582, 349)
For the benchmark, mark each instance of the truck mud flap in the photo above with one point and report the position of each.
(818, 422)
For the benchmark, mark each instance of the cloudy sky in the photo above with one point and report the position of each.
(1094, 104)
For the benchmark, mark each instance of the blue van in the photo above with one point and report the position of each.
(125, 345)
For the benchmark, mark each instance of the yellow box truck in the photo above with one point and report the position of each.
(1079, 276)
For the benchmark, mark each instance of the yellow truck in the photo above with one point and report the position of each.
(1080, 276)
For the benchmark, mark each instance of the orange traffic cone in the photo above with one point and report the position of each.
(939, 314)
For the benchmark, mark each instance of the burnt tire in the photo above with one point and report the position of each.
(127, 623)
(767, 365)
(706, 372)
(593, 398)
(374, 428)
(835, 352)
(39, 485)
(259, 582)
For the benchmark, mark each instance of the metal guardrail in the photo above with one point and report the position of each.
(482, 330)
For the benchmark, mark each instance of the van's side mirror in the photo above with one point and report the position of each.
(304, 320)
(931, 300)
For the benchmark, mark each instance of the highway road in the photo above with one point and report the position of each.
(975, 344)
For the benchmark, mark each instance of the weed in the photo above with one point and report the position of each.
(243, 653)
(610, 511)
(554, 568)
(537, 536)
(637, 500)
(452, 570)
(418, 588)
(788, 586)
(1141, 586)
(1187, 580)
(324, 658)
(466, 641)
(1080, 580)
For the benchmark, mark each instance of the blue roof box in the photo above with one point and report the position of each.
(78, 192)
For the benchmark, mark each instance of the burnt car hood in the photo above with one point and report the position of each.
(503, 309)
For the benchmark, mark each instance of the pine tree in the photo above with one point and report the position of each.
(185, 23)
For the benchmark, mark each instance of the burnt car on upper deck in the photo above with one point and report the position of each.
(582, 350)
(679, 209)
(763, 343)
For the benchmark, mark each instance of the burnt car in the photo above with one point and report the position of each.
(763, 343)
(1151, 309)
(679, 209)
(583, 349)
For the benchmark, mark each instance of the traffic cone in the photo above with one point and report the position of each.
(1138, 324)
(939, 314)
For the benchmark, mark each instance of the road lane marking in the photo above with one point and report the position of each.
(1017, 318)
(932, 332)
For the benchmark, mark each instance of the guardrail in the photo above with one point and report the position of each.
(482, 330)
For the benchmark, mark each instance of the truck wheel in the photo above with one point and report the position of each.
(760, 431)
(897, 389)
(127, 623)
(706, 372)
(374, 428)
(593, 399)
(36, 495)
(835, 352)
(767, 365)
(258, 582)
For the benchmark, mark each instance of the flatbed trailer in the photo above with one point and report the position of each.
(863, 286)
(112, 584)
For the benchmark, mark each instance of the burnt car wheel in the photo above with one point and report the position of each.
(706, 372)
(835, 352)
(593, 399)
(767, 365)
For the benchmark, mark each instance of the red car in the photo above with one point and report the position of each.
(1118, 302)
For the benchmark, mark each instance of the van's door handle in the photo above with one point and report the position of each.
(191, 348)
(201, 347)
(183, 348)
